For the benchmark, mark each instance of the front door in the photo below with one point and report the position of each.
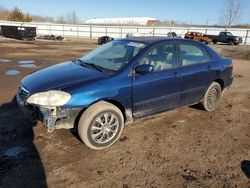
(157, 91)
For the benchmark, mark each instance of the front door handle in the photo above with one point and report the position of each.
(209, 68)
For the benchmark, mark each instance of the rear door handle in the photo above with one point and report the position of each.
(176, 74)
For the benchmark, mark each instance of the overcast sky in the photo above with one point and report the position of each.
(188, 11)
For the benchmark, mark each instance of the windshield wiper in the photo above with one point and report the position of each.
(95, 66)
(83, 63)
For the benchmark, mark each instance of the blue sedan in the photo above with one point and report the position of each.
(122, 81)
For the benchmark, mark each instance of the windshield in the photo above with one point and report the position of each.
(229, 34)
(113, 55)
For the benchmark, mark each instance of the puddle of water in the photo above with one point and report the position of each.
(12, 72)
(5, 60)
(14, 151)
(27, 64)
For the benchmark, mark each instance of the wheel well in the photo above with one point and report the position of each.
(118, 105)
(221, 82)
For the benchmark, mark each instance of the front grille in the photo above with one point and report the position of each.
(23, 94)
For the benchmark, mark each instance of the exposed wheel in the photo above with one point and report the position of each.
(211, 97)
(100, 125)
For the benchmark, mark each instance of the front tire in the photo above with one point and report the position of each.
(100, 125)
(231, 43)
(211, 98)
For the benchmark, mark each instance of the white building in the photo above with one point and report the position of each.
(147, 21)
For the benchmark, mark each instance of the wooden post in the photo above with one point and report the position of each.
(63, 30)
(90, 31)
(246, 37)
(77, 28)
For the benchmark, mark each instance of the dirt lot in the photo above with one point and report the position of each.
(186, 147)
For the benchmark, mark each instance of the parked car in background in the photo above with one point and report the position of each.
(172, 34)
(121, 81)
(104, 39)
(226, 37)
(198, 36)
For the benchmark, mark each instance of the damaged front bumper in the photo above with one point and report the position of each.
(52, 118)
(57, 118)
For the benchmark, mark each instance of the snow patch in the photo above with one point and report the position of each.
(12, 72)
(5, 60)
(27, 64)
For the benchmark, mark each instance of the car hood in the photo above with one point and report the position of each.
(59, 76)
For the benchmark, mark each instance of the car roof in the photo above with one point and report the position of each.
(145, 39)
(151, 40)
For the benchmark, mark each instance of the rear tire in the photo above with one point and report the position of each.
(211, 98)
(100, 125)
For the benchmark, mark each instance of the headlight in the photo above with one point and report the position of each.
(49, 98)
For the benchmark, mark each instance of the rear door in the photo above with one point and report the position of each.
(157, 91)
(195, 73)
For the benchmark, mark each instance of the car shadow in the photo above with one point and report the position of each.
(20, 163)
(245, 167)
(197, 106)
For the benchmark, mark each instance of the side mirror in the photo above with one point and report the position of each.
(144, 69)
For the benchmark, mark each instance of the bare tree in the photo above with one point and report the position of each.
(232, 11)
(60, 20)
(71, 18)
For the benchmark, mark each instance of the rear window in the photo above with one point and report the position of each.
(191, 54)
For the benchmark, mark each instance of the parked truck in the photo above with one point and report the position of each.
(226, 37)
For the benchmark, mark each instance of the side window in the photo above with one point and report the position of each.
(191, 54)
(162, 57)
(222, 34)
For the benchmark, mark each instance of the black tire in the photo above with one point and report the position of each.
(231, 42)
(211, 98)
(96, 121)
